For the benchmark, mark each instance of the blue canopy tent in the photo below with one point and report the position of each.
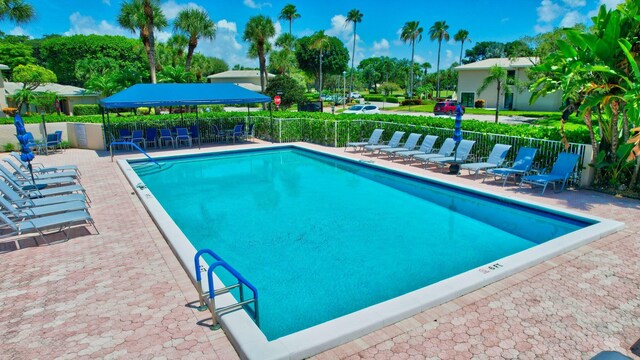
(153, 95)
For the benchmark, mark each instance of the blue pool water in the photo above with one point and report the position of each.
(322, 237)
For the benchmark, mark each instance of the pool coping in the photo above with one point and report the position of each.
(251, 343)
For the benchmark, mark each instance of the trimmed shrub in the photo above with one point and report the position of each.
(86, 109)
(373, 97)
(412, 102)
(479, 104)
(8, 147)
(393, 99)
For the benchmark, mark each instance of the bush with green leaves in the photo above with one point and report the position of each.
(412, 102)
(86, 109)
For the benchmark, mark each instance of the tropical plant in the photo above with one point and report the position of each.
(411, 32)
(46, 101)
(258, 31)
(284, 60)
(17, 11)
(320, 43)
(143, 16)
(462, 36)
(439, 32)
(104, 85)
(176, 75)
(31, 76)
(289, 13)
(353, 16)
(425, 67)
(497, 75)
(195, 24)
(24, 96)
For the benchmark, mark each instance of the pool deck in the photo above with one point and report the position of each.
(123, 294)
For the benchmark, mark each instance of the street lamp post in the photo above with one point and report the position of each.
(344, 89)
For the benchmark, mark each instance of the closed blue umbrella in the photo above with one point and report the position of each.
(26, 154)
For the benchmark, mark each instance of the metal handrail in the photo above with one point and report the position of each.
(212, 293)
(129, 143)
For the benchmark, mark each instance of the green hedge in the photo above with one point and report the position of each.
(86, 109)
(524, 130)
(389, 99)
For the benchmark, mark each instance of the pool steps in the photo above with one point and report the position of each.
(208, 299)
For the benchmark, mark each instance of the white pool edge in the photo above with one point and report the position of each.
(251, 343)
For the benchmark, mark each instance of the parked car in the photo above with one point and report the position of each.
(355, 95)
(315, 106)
(362, 109)
(445, 107)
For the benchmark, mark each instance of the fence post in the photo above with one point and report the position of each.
(335, 134)
(279, 131)
(587, 175)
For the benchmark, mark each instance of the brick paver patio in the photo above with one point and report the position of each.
(123, 294)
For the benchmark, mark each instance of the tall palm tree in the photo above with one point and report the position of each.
(425, 67)
(285, 59)
(289, 13)
(320, 42)
(149, 17)
(354, 16)
(439, 32)
(258, 31)
(462, 36)
(17, 11)
(498, 75)
(195, 24)
(133, 17)
(411, 31)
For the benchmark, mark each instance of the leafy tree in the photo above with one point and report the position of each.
(258, 31)
(196, 24)
(33, 76)
(14, 54)
(175, 75)
(46, 101)
(143, 17)
(462, 36)
(425, 68)
(289, 13)
(104, 85)
(24, 96)
(411, 32)
(485, 50)
(388, 88)
(62, 53)
(370, 76)
(497, 75)
(88, 67)
(334, 61)
(204, 66)
(291, 90)
(320, 43)
(439, 32)
(517, 48)
(17, 11)
(353, 16)
(284, 60)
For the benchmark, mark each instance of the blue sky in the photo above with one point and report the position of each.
(378, 34)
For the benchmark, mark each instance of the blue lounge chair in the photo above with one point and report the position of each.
(58, 223)
(20, 199)
(393, 142)
(425, 148)
(183, 136)
(445, 150)
(410, 144)
(238, 132)
(165, 137)
(137, 137)
(374, 139)
(194, 132)
(24, 175)
(521, 166)
(460, 155)
(495, 159)
(41, 168)
(560, 172)
(216, 133)
(250, 133)
(27, 183)
(150, 137)
(25, 212)
(28, 190)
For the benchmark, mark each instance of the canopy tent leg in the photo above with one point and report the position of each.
(109, 127)
(198, 128)
(271, 126)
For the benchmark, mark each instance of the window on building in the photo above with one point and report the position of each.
(511, 74)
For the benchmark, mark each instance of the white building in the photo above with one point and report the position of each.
(470, 77)
(248, 79)
(3, 98)
(68, 96)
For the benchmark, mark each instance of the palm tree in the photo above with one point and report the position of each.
(354, 16)
(195, 24)
(133, 17)
(289, 13)
(439, 32)
(258, 31)
(320, 42)
(498, 75)
(425, 67)
(175, 75)
(462, 36)
(177, 43)
(17, 11)
(285, 59)
(411, 31)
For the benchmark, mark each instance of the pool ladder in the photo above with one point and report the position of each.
(208, 298)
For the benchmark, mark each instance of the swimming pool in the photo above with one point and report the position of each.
(323, 237)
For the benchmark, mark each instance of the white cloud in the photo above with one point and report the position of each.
(19, 31)
(503, 20)
(449, 55)
(86, 25)
(418, 59)
(542, 28)
(226, 46)
(252, 4)
(108, 2)
(548, 11)
(278, 32)
(381, 48)
(171, 8)
(611, 4)
(161, 36)
(575, 3)
(227, 25)
(339, 28)
(571, 19)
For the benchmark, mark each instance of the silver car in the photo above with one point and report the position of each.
(362, 109)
